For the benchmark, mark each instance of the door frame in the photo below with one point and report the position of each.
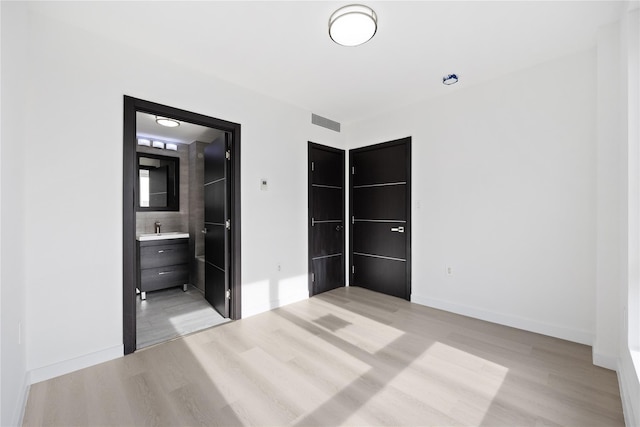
(129, 262)
(402, 141)
(310, 146)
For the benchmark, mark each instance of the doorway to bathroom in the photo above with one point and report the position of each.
(181, 222)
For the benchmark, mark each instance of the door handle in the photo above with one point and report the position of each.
(398, 229)
(338, 227)
(204, 231)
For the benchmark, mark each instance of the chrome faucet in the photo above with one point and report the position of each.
(158, 227)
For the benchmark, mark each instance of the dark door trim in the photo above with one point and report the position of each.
(403, 141)
(129, 266)
(311, 146)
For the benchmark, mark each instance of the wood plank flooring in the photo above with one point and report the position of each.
(345, 357)
(170, 313)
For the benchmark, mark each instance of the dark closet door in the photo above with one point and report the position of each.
(217, 225)
(326, 219)
(380, 205)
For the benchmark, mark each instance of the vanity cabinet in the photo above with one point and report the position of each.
(162, 264)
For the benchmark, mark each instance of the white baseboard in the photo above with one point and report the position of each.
(18, 414)
(627, 407)
(574, 335)
(629, 383)
(41, 374)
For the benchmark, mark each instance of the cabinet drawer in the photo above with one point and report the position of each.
(152, 279)
(160, 255)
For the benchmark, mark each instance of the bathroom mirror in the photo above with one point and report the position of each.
(158, 185)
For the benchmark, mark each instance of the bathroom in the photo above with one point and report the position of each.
(168, 218)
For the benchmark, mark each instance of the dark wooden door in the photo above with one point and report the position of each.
(380, 207)
(217, 225)
(326, 219)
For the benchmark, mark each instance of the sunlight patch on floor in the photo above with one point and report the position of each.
(461, 376)
(448, 381)
(361, 331)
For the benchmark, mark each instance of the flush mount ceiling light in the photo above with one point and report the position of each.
(450, 79)
(170, 123)
(353, 25)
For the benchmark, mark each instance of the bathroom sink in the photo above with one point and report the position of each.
(163, 236)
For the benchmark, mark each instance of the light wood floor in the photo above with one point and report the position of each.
(346, 357)
(170, 313)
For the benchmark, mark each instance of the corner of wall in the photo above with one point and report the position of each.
(14, 67)
(19, 411)
(611, 169)
(605, 361)
(618, 220)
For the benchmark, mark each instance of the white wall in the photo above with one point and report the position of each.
(503, 178)
(611, 188)
(13, 377)
(618, 208)
(74, 179)
(624, 100)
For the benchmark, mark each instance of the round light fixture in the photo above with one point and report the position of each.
(450, 79)
(164, 121)
(353, 25)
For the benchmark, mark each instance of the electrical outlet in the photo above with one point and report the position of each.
(279, 267)
(449, 271)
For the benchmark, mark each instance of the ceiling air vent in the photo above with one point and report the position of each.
(324, 122)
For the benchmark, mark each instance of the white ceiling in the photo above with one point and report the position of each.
(282, 49)
(186, 133)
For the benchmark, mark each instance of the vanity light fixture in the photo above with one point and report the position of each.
(353, 25)
(450, 79)
(164, 121)
(158, 144)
